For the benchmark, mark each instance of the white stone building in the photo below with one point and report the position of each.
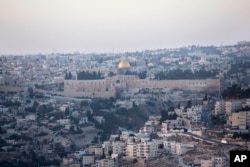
(105, 163)
(118, 147)
(232, 106)
(144, 149)
(214, 162)
(227, 107)
(88, 159)
(240, 119)
(176, 148)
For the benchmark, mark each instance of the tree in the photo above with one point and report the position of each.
(186, 74)
(84, 103)
(35, 105)
(59, 147)
(66, 113)
(95, 140)
(235, 91)
(31, 92)
(205, 98)
(71, 129)
(90, 116)
(33, 156)
(2, 142)
(110, 152)
(189, 104)
(70, 75)
(2, 131)
(103, 137)
(166, 116)
(85, 75)
(134, 161)
(111, 74)
(142, 75)
(66, 76)
(73, 147)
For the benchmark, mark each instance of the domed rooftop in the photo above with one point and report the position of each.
(123, 64)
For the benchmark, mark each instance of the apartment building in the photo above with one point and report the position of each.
(126, 135)
(227, 107)
(214, 162)
(176, 148)
(95, 150)
(105, 163)
(194, 113)
(131, 150)
(147, 129)
(118, 147)
(206, 163)
(169, 125)
(155, 120)
(144, 149)
(219, 107)
(107, 147)
(240, 119)
(164, 127)
(88, 159)
(232, 106)
(218, 161)
(196, 118)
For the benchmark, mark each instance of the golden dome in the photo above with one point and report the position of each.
(123, 64)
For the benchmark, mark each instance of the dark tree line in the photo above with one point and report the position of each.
(186, 74)
(9, 103)
(85, 75)
(99, 104)
(239, 67)
(142, 75)
(165, 115)
(129, 118)
(68, 76)
(235, 91)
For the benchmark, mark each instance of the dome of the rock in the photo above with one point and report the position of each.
(123, 64)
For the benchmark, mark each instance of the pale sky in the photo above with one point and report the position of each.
(44, 26)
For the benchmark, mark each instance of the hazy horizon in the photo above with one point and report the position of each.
(45, 26)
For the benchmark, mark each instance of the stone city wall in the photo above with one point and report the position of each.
(107, 87)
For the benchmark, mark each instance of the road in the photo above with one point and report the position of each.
(204, 138)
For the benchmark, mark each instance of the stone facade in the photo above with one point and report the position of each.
(109, 86)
